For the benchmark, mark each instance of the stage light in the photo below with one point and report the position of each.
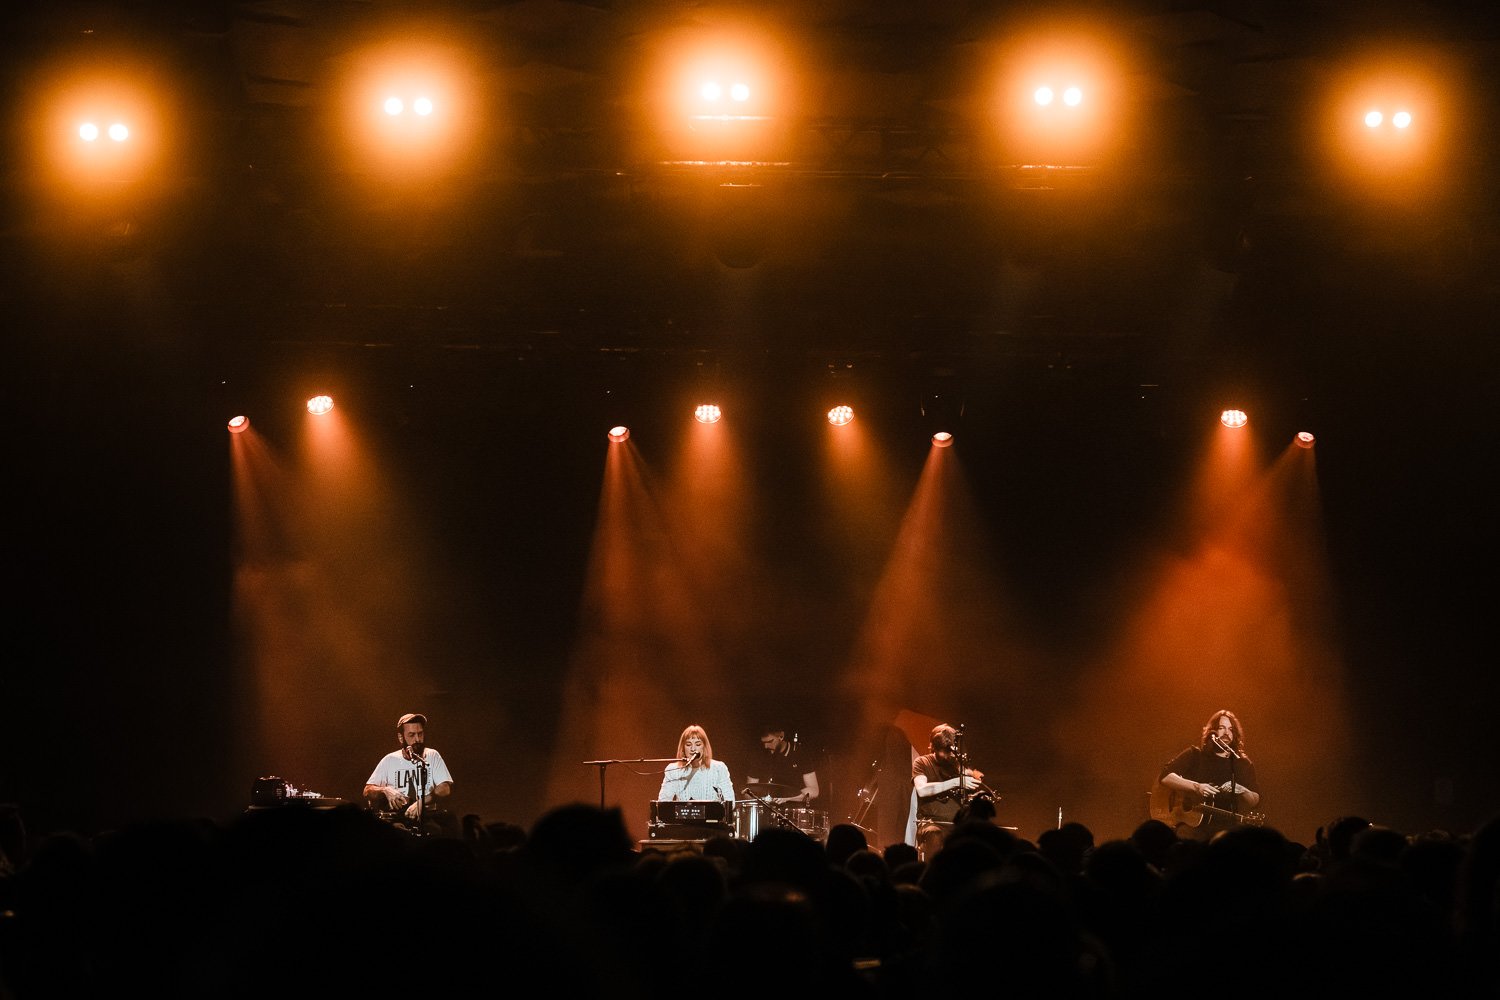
(1401, 119)
(408, 107)
(1305, 439)
(942, 439)
(722, 76)
(619, 433)
(720, 95)
(1045, 95)
(1060, 95)
(103, 135)
(841, 415)
(319, 405)
(1387, 125)
(1234, 418)
(239, 424)
(712, 93)
(707, 413)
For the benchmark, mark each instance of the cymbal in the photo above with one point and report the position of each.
(766, 789)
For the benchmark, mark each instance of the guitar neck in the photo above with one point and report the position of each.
(1249, 818)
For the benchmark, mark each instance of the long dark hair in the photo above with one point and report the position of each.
(1237, 744)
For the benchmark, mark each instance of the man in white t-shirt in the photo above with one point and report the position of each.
(409, 781)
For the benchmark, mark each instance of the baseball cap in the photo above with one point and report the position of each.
(417, 717)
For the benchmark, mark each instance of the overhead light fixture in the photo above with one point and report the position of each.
(319, 405)
(117, 131)
(619, 433)
(841, 415)
(239, 424)
(1374, 118)
(707, 413)
(1234, 418)
(942, 439)
(1305, 439)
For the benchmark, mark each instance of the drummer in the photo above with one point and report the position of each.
(782, 774)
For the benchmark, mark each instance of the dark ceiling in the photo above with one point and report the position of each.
(884, 221)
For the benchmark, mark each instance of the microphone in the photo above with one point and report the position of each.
(1224, 746)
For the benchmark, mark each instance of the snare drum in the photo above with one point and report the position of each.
(813, 822)
(748, 818)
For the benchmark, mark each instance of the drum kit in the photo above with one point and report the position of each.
(759, 810)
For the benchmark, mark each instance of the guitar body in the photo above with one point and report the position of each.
(1173, 808)
(1186, 813)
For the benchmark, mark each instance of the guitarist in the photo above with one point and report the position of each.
(1217, 772)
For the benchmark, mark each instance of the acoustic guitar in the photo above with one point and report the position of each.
(1177, 809)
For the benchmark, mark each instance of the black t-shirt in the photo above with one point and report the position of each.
(784, 769)
(943, 806)
(1198, 764)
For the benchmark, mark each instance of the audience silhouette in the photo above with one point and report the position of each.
(307, 899)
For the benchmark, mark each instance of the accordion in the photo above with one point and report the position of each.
(691, 819)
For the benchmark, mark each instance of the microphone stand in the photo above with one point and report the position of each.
(962, 757)
(1234, 796)
(419, 758)
(603, 764)
(772, 806)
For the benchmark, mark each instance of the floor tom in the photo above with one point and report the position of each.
(813, 822)
(749, 816)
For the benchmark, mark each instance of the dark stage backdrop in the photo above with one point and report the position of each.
(124, 686)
